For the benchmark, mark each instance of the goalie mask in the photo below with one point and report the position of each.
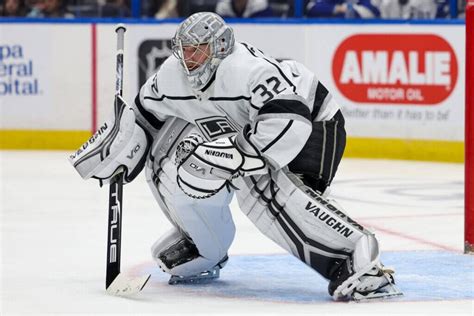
(200, 43)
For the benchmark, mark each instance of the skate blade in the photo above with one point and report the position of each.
(387, 292)
(204, 277)
(126, 286)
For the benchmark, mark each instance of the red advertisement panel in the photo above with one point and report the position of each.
(415, 69)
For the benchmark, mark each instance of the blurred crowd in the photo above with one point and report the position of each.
(160, 9)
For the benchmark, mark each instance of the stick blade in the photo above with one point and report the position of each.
(126, 286)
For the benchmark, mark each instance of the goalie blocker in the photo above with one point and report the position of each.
(118, 145)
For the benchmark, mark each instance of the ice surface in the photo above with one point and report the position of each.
(283, 278)
(54, 227)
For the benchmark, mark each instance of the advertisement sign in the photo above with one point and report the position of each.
(392, 81)
(400, 69)
(45, 77)
(396, 81)
(17, 77)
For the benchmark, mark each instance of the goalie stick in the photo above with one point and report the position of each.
(116, 283)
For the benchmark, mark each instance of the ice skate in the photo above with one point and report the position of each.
(203, 277)
(377, 283)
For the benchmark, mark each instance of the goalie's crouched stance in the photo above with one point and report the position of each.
(295, 216)
(193, 180)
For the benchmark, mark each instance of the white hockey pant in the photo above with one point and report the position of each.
(206, 223)
(306, 224)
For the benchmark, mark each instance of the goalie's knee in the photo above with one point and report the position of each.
(178, 255)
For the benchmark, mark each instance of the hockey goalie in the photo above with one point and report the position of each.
(221, 118)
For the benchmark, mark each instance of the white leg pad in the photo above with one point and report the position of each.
(303, 222)
(208, 223)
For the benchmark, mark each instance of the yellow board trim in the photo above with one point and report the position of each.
(429, 150)
(405, 149)
(40, 139)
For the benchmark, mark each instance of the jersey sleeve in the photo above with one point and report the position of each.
(145, 102)
(281, 119)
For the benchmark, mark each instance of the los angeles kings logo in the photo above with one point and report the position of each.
(411, 69)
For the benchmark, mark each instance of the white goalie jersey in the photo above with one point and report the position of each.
(279, 99)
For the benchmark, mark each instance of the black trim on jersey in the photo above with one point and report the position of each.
(209, 83)
(287, 127)
(239, 97)
(153, 99)
(151, 119)
(283, 75)
(319, 97)
(275, 65)
(250, 51)
(285, 106)
(191, 97)
(254, 106)
(171, 97)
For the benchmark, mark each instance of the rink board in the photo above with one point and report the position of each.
(400, 86)
(420, 275)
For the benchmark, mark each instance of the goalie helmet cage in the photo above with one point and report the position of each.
(469, 133)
